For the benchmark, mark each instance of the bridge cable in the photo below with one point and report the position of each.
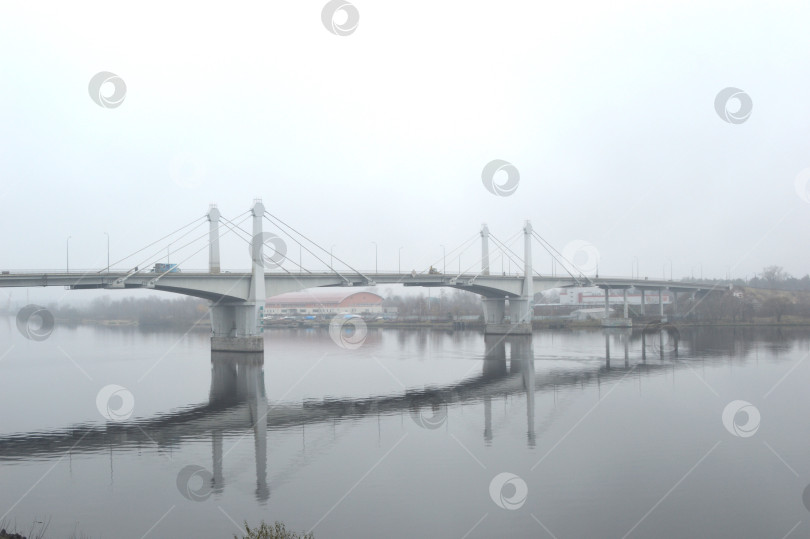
(159, 240)
(235, 227)
(157, 255)
(480, 260)
(461, 246)
(522, 261)
(505, 250)
(463, 249)
(270, 216)
(207, 244)
(560, 258)
(250, 243)
(302, 246)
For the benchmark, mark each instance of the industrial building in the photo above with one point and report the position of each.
(324, 301)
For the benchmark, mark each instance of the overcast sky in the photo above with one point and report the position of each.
(606, 110)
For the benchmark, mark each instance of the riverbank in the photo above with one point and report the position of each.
(596, 323)
(557, 324)
(277, 530)
(8, 530)
(444, 325)
(204, 325)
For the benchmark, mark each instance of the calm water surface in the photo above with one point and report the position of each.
(413, 434)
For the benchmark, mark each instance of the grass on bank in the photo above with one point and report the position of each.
(265, 531)
(277, 531)
(35, 531)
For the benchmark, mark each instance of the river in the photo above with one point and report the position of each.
(117, 432)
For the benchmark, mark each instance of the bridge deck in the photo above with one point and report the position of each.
(235, 286)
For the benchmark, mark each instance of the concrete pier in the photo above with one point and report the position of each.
(508, 329)
(521, 309)
(237, 325)
(253, 343)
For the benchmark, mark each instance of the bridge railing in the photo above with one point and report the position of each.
(88, 271)
(275, 271)
(56, 271)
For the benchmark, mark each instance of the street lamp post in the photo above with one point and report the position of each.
(108, 251)
(670, 268)
(635, 267)
(67, 254)
(331, 262)
(375, 257)
(399, 261)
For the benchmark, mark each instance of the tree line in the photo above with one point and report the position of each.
(443, 303)
(148, 311)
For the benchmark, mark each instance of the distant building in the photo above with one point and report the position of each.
(593, 295)
(324, 302)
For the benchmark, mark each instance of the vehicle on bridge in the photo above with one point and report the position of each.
(161, 267)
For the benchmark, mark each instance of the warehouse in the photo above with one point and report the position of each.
(324, 301)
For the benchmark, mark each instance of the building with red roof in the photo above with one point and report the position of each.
(324, 301)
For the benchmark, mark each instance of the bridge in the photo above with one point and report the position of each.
(238, 298)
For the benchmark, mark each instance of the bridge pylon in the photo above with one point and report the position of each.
(520, 307)
(238, 326)
(213, 239)
(484, 249)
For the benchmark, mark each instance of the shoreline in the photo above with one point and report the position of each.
(447, 326)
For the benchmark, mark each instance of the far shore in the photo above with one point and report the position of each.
(445, 325)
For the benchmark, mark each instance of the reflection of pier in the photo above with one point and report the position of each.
(660, 340)
(522, 363)
(238, 379)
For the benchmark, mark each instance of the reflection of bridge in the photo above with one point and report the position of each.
(237, 402)
(238, 298)
(237, 398)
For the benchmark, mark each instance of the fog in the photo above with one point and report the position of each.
(381, 135)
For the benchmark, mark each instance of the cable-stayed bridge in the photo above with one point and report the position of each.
(238, 298)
